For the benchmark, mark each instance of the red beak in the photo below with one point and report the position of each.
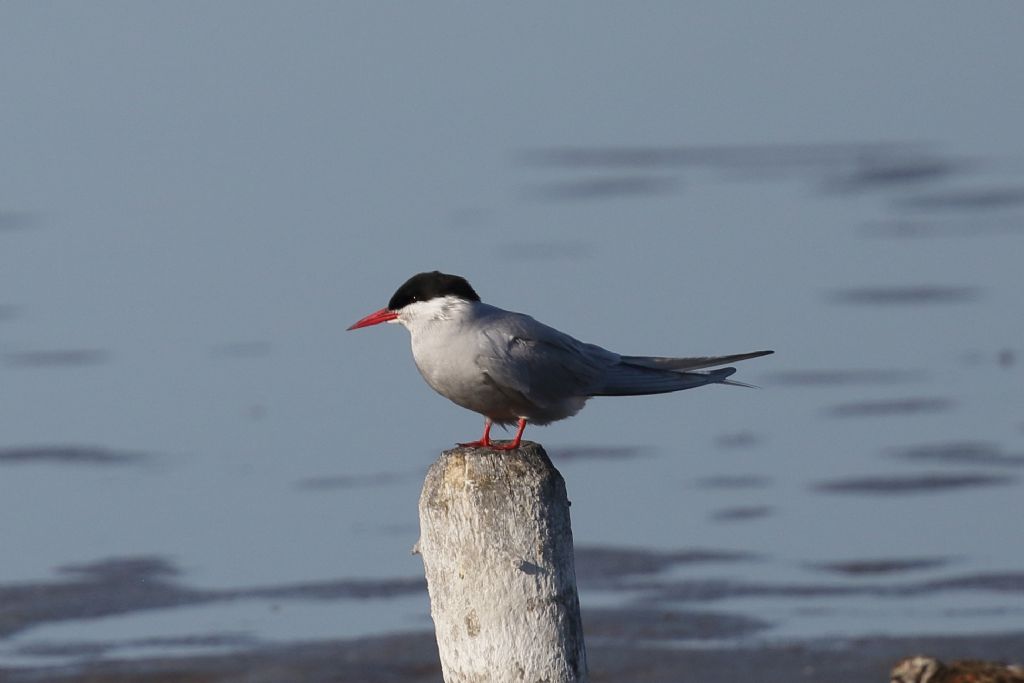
(381, 316)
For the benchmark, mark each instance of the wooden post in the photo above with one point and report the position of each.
(496, 544)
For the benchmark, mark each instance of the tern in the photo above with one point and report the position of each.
(512, 369)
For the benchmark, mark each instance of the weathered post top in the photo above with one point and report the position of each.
(497, 549)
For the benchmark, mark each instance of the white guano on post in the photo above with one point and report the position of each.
(497, 549)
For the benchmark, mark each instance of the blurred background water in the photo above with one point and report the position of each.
(196, 199)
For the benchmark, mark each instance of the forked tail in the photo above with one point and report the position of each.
(637, 375)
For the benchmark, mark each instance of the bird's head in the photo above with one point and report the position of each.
(424, 296)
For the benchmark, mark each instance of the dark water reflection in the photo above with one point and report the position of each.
(904, 296)
(877, 567)
(904, 484)
(899, 170)
(738, 440)
(711, 590)
(58, 358)
(972, 453)
(914, 405)
(68, 455)
(606, 567)
(124, 585)
(974, 199)
(742, 513)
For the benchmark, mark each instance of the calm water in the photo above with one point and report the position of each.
(194, 204)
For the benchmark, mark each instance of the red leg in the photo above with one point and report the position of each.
(514, 444)
(485, 440)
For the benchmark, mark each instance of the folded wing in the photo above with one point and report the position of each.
(694, 363)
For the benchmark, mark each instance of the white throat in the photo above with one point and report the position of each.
(421, 314)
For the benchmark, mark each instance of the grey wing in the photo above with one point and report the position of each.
(693, 363)
(544, 365)
(659, 374)
(633, 380)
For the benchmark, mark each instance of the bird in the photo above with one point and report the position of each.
(922, 669)
(513, 369)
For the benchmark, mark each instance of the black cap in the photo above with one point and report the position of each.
(427, 286)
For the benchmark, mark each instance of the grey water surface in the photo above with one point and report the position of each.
(197, 199)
